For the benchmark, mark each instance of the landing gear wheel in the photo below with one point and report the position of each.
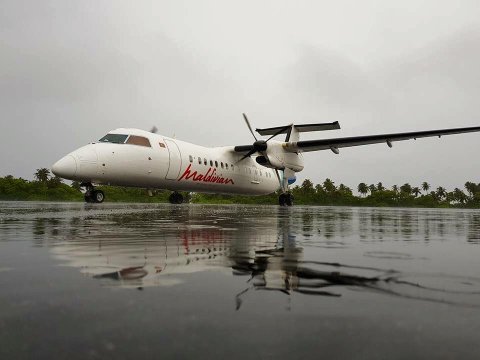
(98, 196)
(289, 200)
(285, 199)
(92, 195)
(175, 198)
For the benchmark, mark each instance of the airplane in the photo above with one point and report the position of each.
(138, 158)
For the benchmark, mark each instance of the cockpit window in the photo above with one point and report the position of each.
(114, 138)
(138, 140)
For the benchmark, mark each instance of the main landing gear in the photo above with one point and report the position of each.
(285, 199)
(93, 195)
(175, 198)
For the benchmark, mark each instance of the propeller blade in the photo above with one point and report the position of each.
(247, 155)
(243, 148)
(278, 132)
(154, 130)
(248, 124)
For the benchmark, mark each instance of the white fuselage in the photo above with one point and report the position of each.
(167, 164)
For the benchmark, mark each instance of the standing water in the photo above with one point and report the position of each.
(84, 281)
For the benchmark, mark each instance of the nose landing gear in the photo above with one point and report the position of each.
(93, 195)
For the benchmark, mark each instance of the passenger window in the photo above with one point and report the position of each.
(190, 157)
(205, 162)
(226, 166)
(216, 163)
(233, 169)
(200, 161)
(221, 164)
(138, 140)
(211, 163)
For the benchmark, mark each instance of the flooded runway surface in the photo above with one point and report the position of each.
(84, 281)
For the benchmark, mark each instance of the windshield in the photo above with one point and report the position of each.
(114, 138)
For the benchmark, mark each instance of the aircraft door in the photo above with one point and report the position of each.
(175, 160)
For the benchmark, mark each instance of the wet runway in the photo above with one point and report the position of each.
(84, 281)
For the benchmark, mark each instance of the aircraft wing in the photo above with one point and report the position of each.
(336, 143)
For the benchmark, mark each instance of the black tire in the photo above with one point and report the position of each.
(98, 196)
(179, 199)
(175, 198)
(289, 200)
(88, 198)
(282, 200)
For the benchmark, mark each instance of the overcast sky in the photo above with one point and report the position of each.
(70, 71)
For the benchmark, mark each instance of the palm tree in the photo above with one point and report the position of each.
(406, 188)
(344, 189)
(362, 188)
(441, 192)
(307, 186)
(42, 174)
(471, 188)
(319, 189)
(425, 186)
(395, 188)
(459, 195)
(416, 191)
(329, 185)
(380, 187)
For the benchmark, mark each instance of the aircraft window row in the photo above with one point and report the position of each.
(249, 171)
(212, 163)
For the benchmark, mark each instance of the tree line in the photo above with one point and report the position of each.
(46, 187)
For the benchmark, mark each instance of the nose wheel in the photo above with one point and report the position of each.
(93, 195)
(285, 199)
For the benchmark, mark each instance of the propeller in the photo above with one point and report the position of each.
(154, 129)
(248, 124)
(259, 145)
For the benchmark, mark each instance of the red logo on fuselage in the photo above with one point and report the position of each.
(210, 177)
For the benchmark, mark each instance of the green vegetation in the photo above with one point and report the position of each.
(51, 188)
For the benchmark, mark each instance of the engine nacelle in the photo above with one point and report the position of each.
(262, 160)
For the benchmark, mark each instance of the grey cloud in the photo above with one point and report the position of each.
(332, 78)
(72, 70)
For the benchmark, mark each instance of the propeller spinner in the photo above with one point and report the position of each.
(259, 146)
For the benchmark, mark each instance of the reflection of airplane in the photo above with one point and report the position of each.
(267, 253)
(131, 157)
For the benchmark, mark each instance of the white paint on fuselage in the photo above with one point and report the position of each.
(148, 167)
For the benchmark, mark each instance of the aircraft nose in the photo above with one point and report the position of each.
(66, 167)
